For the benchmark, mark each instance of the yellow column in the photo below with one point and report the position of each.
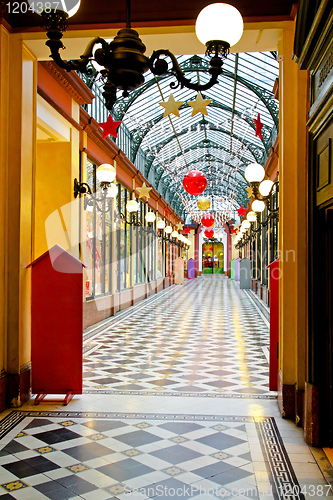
(293, 229)
(20, 153)
(4, 106)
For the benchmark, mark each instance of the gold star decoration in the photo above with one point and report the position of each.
(199, 105)
(249, 192)
(180, 227)
(171, 106)
(144, 191)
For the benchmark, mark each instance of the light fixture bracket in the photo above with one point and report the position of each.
(102, 204)
(123, 60)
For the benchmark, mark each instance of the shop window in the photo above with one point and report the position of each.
(97, 241)
(159, 259)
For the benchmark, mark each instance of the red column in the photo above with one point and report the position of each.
(227, 230)
(196, 251)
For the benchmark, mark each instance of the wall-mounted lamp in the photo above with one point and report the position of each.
(122, 60)
(261, 189)
(258, 206)
(168, 230)
(105, 174)
(160, 224)
(150, 217)
(251, 216)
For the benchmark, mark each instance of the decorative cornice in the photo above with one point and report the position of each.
(58, 108)
(71, 82)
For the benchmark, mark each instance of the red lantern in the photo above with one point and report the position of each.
(194, 182)
(207, 220)
(209, 233)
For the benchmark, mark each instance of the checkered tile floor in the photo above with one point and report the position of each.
(202, 338)
(61, 455)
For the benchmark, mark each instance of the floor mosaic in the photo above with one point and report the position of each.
(204, 338)
(62, 455)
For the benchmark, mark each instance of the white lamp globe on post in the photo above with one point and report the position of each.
(174, 234)
(254, 173)
(258, 206)
(160, 224)
(251, 216)
(168, 230)
(246, 224)
(132, 206)
(150, 217)
(219, 22)
(265, 187)
(112, 190)
(106, 173)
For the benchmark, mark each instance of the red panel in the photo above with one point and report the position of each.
(56, 323)
(274, 324)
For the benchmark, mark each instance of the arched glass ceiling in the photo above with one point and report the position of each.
(220, 144)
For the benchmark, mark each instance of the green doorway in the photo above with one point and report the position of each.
(212, 257)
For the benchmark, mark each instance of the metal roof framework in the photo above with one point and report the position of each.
(220, 144)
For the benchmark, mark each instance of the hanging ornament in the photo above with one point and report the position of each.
(194, 182)
(203, 203)
(109, 127)
(209, 233)
(199, 105)
(249, 192)
(171, 106)
(241, 211)
(234, 230)
(187, 230)
(259, 126)
(207, 220)
(144, 191)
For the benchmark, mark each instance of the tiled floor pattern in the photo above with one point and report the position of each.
(62, 455)
(203, 338)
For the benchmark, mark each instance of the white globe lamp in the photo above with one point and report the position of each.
(112, 191)
(219, 22)
(150, 217)
(132, 206)
(265, 187)
(254, 172)
(251, 216)
(258, 206)
(160, 224)
(106, 173)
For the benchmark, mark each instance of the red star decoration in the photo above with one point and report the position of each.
(259, 126)
(109, 127)
(241, 211)
(233, 230)
(166, 212)
(187, 230)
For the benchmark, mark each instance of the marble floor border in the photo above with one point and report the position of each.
(282, 481)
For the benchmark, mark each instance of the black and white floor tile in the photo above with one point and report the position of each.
(62, 455)
(203, 338)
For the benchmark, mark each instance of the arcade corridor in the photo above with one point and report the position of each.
(175, 405)
(205, 337)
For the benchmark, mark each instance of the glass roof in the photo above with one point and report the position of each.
(219, 144)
